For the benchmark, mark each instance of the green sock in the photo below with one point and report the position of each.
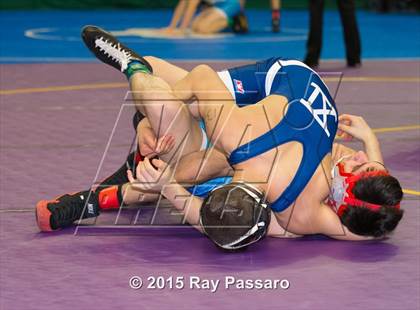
(135, 66)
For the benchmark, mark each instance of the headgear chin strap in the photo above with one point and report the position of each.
(342, 190)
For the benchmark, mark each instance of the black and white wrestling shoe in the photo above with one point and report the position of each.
(62, 211)
(109, 50)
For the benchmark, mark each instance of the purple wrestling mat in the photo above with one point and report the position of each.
(56, 122)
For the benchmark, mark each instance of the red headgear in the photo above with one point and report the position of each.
(349, 199)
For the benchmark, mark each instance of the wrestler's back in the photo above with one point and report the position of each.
(275, 178)
(300, 94)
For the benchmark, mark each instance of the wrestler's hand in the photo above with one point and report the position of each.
(150, 146)
(164, 145)
(172, 31)
(166, 30)
(352, 126)
(150, 179)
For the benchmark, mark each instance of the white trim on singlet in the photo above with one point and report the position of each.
(271, 74)
(227, 80)
(293, 62)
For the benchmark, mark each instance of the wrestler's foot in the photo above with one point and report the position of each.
(240, 23)
(109, 50)
(275, 20)
(275, 25)
(64, 210)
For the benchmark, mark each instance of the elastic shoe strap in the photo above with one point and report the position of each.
(134, 67)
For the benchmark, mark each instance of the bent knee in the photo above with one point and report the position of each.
(204, 78)
(203, 70)
(195, 26)
(201, 76)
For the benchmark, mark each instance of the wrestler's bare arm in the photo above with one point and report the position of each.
(196, 167)
(184, 202)
(277, 231)
(340, 150)
(159, 177)
(201, 166)
(193, 168)
(178, 13)
(356, 127)
(189, 13)
(190, 205)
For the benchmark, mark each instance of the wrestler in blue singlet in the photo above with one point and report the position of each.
(311, 117)
(228, 7)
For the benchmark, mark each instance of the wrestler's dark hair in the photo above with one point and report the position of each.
(382, 190)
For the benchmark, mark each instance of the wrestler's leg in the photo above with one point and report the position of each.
(212, 20)
(215, 104)
(199, 18)
(166, 71)
(132, 196)
(64, 210)
(152, 95)
(167, 115)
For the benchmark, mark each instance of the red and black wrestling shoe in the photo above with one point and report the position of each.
(240, 23)
(64, 210)
(109, 50)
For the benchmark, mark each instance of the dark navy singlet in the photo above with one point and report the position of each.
(311, 117)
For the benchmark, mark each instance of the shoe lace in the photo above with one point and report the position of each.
(114, 51)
